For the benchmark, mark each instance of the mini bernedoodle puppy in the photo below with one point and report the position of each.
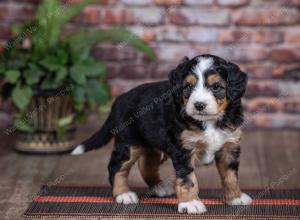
(194, 119)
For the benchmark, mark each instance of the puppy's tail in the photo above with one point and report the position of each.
(97, 140)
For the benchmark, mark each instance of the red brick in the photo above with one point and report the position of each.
(197, 2)
(137, 2)
(135, 71)
(233, 3)
(174, 52)
(147, 34)
(235, 36)
(4, 32)
(262, 87)
(163, 69)
(285, 54)
(171, 34)
(115, 52)
(240, 53)
(113, 70)
(277, 120)
(118, 16)
(292, 2)
(29, 1)
(103, 2)
(116, 90)
(120, 86)
(267, 36)
(2, 46)
(288, 71)
(16, 13)
(258, 105)
(292, 35)
(3, 12)
(291, 105)
(91, 15)
(266, 16)
(288, 88)
(149, 15)
(188, 16)
(259, 70)
(168, 2)
(202, 35)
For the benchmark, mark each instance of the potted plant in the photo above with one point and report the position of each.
(53, 79)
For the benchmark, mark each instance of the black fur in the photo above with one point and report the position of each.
(151, 116)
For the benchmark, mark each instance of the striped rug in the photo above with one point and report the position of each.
(96, 201)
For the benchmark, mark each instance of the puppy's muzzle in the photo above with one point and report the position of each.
(200, 106)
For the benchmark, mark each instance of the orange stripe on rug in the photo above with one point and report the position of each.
(94, 199)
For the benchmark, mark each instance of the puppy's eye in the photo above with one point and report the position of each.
(216, 86)
(187, 85)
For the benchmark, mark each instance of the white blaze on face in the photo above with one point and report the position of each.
(201, 94)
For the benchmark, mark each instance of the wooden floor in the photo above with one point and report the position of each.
(269, 159)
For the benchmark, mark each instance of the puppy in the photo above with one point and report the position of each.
(194, 119)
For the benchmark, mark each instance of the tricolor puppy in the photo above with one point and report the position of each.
(193, 119)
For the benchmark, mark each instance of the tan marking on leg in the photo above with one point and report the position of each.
(120, 184)
(149, 166)
(192, 140)
(188, 190)
(228, 176)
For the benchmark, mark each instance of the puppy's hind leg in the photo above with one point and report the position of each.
(122, 159)
(149, 163)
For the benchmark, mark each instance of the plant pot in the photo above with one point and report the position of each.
(45, 110)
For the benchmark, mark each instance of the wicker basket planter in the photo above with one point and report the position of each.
(45, 110)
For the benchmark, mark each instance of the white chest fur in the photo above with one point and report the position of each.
(204, 144)
(214, 139)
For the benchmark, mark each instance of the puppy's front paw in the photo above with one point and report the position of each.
(127, 198)
(192, 207)
(164, 189)
(244, 199)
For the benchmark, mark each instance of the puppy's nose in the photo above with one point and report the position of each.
(200, 106)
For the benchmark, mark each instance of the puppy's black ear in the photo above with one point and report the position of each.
(236, 82)
(176, 77)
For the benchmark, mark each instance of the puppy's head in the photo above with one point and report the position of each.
(206, 85)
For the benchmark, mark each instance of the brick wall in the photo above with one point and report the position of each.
(263, 36)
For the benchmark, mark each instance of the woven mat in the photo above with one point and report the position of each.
(96, 201)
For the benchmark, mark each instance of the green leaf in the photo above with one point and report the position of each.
(50, 83)
(33, 75)
(12, 76)
(77, 75)
(60, 75)
(95, 68)
(78, 93)
(52, 16)
(51, 63)
(81, 116)
(89, 68)
(62, 122)
(21, 96)
(78, 106)
(2, 68)
(97, 92)
(86, 39)
(80, 57)
(62, 56)
(61, 133)
(23, 123)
